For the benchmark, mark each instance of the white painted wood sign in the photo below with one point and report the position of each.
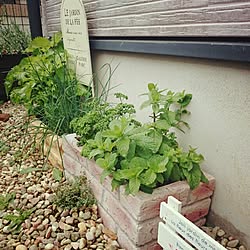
(178, 233)
(76, 39)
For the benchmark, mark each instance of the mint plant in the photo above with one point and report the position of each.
(143, 157)
(98, 117)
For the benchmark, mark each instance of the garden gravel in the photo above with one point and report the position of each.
(49, 226)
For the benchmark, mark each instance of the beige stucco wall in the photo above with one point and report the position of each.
(220, 119)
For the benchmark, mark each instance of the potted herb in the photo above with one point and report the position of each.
(144, 157)
(140, 165)
(13, 41)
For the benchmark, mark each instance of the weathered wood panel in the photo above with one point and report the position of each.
(160, 18)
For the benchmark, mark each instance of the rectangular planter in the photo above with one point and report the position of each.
(135, 218)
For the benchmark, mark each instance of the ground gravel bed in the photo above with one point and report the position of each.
(43, 225)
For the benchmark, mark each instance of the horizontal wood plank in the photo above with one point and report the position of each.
(161, 18)
(216, 15)
(189, 30)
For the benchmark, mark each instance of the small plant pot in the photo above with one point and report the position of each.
(135, 218)
(7, 62)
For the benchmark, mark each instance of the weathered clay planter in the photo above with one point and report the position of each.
(135, 218)
(50, 144)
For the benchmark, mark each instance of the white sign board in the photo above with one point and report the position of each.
(177, 225)
(76, 39)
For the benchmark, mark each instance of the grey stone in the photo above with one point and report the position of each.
(49, 246)
(65, 242)
(82, 243)
(90, 236)
(33, 247)
(232, 243)
(75, 236)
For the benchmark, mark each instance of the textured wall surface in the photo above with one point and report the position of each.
(219, 120)
(159, 17)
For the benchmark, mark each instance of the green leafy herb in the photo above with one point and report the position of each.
(17, 220)
(6, 199)
(143, 157)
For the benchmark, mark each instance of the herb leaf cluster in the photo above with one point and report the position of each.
(143, 157)
(48, 88)
(98, 117)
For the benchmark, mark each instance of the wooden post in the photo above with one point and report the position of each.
(34, 18)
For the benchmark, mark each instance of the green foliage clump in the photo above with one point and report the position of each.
(75, 193)
(6, 199)
(47, 87)
(13, 40)
(147, 156)
(3, 147)
(99, 116)
(17, 220)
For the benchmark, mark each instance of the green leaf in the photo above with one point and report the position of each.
(162, 124)
(145, 104)
(148, 177)
(204, 178)
(150, 141)
(103, 163)
(143, 152)
(126, 174)
(123, 145)
(155, 108)
(168, 172)
(138, 162)
(57, 37)
(157, 163)
(171, 117)
(131, 150)
(193, 176)
(38, 43)
(98, 140)
(108, 145)
(151, 86)
(108, 162)
(95, 152)
(115, 184)
(185, 100)
(175, 174)
(134, 185)
(104, 174)
(57, 174)
(29, 170)
(146, 189)
(6, 199)
(160, 178)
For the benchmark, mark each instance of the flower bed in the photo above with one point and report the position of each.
(135, 218)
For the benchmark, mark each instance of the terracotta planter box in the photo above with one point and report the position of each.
(135, 218)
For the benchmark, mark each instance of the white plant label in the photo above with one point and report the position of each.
(178, 233)
(76, 39)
